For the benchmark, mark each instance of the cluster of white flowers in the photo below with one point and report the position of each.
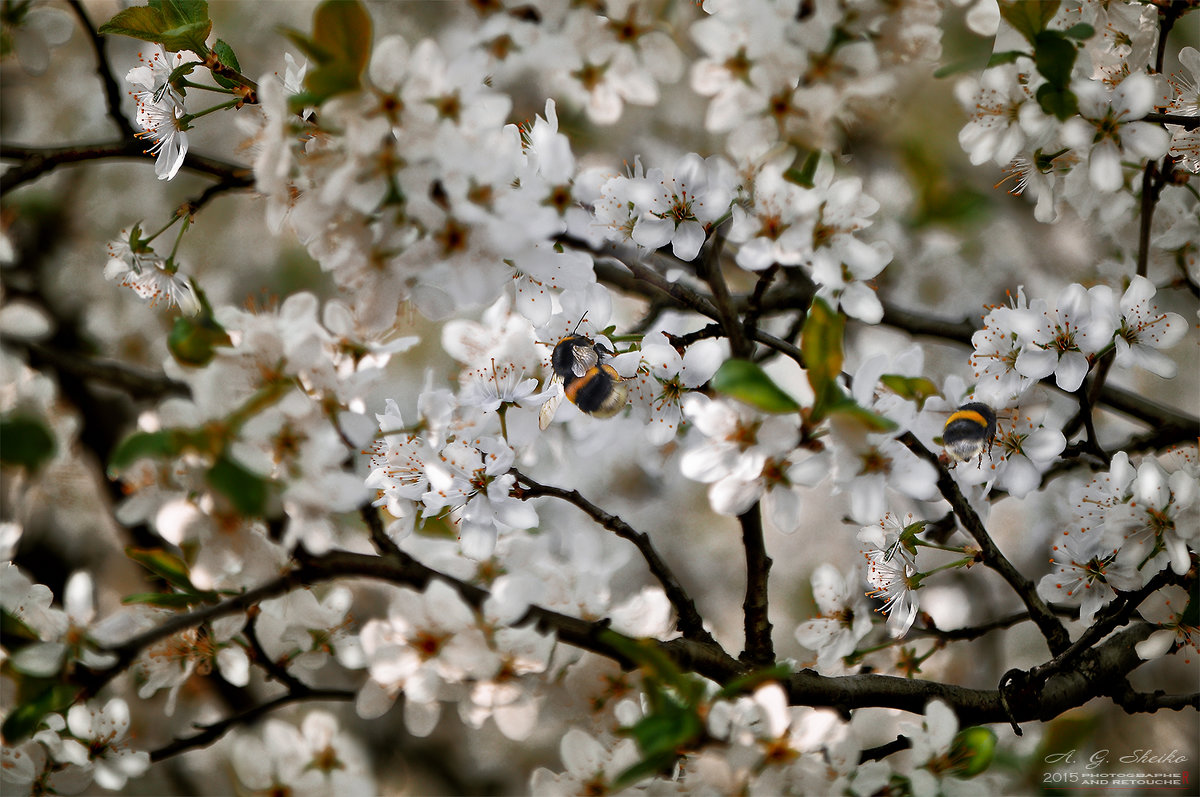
(290, 389)
(1084, 161)
(88, 744)
(769, 747)
(1131, 523)
(417, 193)
(316, 759)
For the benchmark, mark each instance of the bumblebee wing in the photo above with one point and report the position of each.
(550, 405)
(583, 359)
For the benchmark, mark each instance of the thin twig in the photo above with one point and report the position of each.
(36, 161)
(754, 304)
(710, 271)
(274, 669)
(1053, 630)
(760, 650)
(1115, 615)
(210, 733)
(137, 383)
(112, 92)
(690, 623)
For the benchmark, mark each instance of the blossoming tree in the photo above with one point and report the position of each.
(322, 504)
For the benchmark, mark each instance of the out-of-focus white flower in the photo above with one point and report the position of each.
(931, 742)
(303, 633)
(1108, 129)
(169, 663)
(591, 767)
(864, 468)
(1167, 607)
(429, 640)
(315, 759)
(33, 30)
(103, 731)
(844, 619)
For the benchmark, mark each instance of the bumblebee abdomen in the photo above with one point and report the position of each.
(969, 430)
(599, 392)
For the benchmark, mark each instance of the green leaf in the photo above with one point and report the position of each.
(913, 388)
(171, 600)
(187, 37)
(748, 383)
(803, 175)
(1029, 17)
(1060, 103)
(307, 46)
(846, 409)
(1006, 57)
(194, 340)
(821, 345)
(166, 565)
(660, 737)
(226, 56)
(340, 46)
(139, 22)
(186, 25)
(246, 490)
(147, 445)
(178, 13)
(343, 27)
(25, 718)
(26, 442)
(1055, 56)
(175, 24)
(972, 751)
(1080, 31)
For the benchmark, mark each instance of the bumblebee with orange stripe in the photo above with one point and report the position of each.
(969, 431)
(587, 381)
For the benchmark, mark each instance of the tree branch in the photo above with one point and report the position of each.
(1186, 122)
(690, 623)
(1053, 631)
(36, 161)
(210, 733)
(1095, 673)
(1144, 703)
(136, 382)
(760, 650)
(1114, 615)
(112, 92)
(710, 272)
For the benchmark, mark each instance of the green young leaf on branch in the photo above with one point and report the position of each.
(175, 24)
(340, 46)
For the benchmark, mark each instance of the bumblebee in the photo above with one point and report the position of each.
(587, 381)
(969, 431)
